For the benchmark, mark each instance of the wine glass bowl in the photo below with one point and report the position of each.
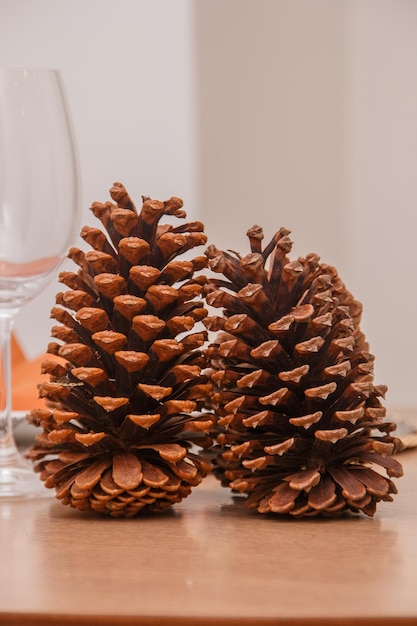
(39, 219)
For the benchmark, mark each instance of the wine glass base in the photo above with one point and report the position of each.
(18, 481)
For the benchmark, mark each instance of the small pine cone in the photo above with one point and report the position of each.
(300, 425)
(124, 397)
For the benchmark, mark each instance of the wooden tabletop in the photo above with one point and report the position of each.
(210, 561)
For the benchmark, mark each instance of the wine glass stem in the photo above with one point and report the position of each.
(8, 449)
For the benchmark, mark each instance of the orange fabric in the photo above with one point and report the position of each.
(26, 376)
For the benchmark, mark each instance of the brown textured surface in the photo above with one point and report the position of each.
(210, 561)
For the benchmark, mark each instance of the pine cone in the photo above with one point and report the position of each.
(300, 426)
(124, 398)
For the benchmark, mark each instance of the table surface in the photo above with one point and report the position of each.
(210, 561)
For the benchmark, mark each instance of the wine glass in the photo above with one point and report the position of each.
(39, 219)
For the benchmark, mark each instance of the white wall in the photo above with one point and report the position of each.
(308, 119)
(127, 67)
(272, 92)
(382, 184)
(279, 112)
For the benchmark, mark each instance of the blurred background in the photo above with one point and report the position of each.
(296, 113)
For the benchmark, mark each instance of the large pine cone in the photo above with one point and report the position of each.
(300, 426)
(124, 398)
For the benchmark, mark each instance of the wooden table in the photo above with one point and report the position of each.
(210, 562)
